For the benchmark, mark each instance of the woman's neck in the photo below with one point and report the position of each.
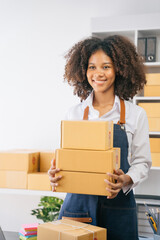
(103, 102)
(102, 99)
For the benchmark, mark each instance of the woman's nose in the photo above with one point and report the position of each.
(99, 74)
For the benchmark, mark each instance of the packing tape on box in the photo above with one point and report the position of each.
(73, 228)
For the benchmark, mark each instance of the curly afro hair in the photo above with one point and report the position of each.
(129, 67)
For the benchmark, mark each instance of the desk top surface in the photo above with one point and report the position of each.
(15, 236)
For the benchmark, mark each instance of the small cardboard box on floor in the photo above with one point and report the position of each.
(70, 230)
(90, 135)
(84, 171)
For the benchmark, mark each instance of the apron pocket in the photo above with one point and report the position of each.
(121, 223)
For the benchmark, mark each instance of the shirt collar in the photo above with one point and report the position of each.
(89, 100)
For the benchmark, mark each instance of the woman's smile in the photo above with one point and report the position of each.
(99, 82)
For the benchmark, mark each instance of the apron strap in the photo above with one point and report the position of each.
(122, 113)
(85, 115)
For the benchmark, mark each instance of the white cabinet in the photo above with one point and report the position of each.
(134, 27)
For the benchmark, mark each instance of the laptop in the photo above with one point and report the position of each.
(2, 237)
(8, 235)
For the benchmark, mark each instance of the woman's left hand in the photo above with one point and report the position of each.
(119, 181)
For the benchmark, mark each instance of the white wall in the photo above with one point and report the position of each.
(34, 36)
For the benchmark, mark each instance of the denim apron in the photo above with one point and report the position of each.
(118, 215)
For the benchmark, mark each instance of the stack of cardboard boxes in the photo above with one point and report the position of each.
(85, 156)
(15, 166)
(152, 89)
(19, 169)
(40, 180)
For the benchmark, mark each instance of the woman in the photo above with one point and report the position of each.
(105, 74)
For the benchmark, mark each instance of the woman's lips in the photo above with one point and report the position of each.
(99, 81)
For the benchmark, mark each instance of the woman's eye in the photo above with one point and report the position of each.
(91, 67)
(105, 67)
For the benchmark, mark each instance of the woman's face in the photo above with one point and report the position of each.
(101, 72)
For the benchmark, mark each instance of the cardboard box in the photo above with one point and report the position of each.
(87, 160)
(13, 179)
(39, 181)
(155, 159)
(82, 183)
(153, 79)
(152, 88)
(152, 109)
(155, 145)
(19, 160)
(91, 135)
(154, 124)
(45, 160)
(151, 91)
(70, 230)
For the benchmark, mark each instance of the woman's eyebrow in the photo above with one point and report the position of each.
(103, 63)
(107, 63)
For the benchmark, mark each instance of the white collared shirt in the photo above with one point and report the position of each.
(137, 129)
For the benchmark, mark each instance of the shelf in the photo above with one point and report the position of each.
(154, 133)
(155, 168)
(152, 64)
(31, 192)
(146, 98)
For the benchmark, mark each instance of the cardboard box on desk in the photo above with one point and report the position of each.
(45, 160)
(152, 88)
(91, 135)
(19, 160)
(70, 230)
(39, 181)
(87, 160)
(13, 179)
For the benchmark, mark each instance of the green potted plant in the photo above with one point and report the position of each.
(49, 209)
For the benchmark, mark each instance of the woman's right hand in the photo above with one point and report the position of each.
(51, 172)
